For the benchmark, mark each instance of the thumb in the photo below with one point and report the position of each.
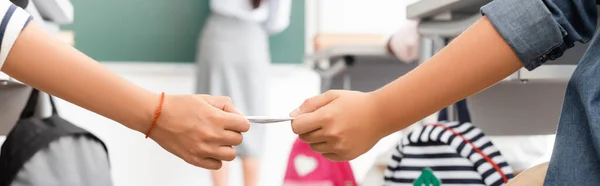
(223, 103)
(314, 103)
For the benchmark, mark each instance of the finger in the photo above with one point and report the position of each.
(229, 107)
(207, 163)
(229, 120)
(334, 157)
(315, 136)
(322, 147)
(413, 53)
(390, 44)
(216, 101)
(234, 122)
(225, 153)
(231, 117)
(219, 102)
(404, 54)
(230, 138)
(312, 121)
(314, 103)
(224, 103)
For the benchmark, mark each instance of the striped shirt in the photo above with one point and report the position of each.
(14, 20)
(458, 154)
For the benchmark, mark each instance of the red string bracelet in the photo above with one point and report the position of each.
(157, 113)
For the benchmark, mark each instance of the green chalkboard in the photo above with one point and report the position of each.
(162, 30)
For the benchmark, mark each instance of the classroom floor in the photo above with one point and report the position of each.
(138, 161)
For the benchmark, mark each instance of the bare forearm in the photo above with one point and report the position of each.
(475, 60)
(43, 62)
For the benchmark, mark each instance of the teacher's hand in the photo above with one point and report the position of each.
(404, 44)
(200, 129)
(341, 125)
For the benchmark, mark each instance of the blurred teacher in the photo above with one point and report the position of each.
(233, 60)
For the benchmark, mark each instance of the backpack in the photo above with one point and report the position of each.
(308, 168)
(52, 152)
(20, 3)
(448, 153)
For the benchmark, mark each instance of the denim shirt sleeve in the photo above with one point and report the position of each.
(542, 30)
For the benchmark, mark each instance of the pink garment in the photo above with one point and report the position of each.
(308, 168)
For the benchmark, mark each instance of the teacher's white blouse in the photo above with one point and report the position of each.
(274, 15)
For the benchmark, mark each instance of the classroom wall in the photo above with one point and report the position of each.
(162, 30)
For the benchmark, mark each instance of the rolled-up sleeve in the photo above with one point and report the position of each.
(542, 30)
(13, 20)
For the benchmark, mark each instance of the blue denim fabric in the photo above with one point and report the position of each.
(541, 30)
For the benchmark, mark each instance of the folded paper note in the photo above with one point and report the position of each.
(267, 119)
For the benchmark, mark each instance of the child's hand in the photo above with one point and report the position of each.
(200, 129)
(341, 125)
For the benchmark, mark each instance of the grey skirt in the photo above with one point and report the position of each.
(233, 60)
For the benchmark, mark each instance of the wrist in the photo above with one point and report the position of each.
(386, 118)
(141, 119)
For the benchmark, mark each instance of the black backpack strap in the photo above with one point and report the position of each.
(443, 114)
(31, 106)
(463, 112)
(54, 111)
(20, 3)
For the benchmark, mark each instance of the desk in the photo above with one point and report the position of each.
(7, 80)
(4, 78)
(364, 67)
(499, 110)
(424, 9)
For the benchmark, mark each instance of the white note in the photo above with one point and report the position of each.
(267, 119)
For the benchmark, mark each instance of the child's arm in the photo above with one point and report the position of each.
(513, 33)
(466, 66)
(200, 129)
(42, 61)
(469, 64)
